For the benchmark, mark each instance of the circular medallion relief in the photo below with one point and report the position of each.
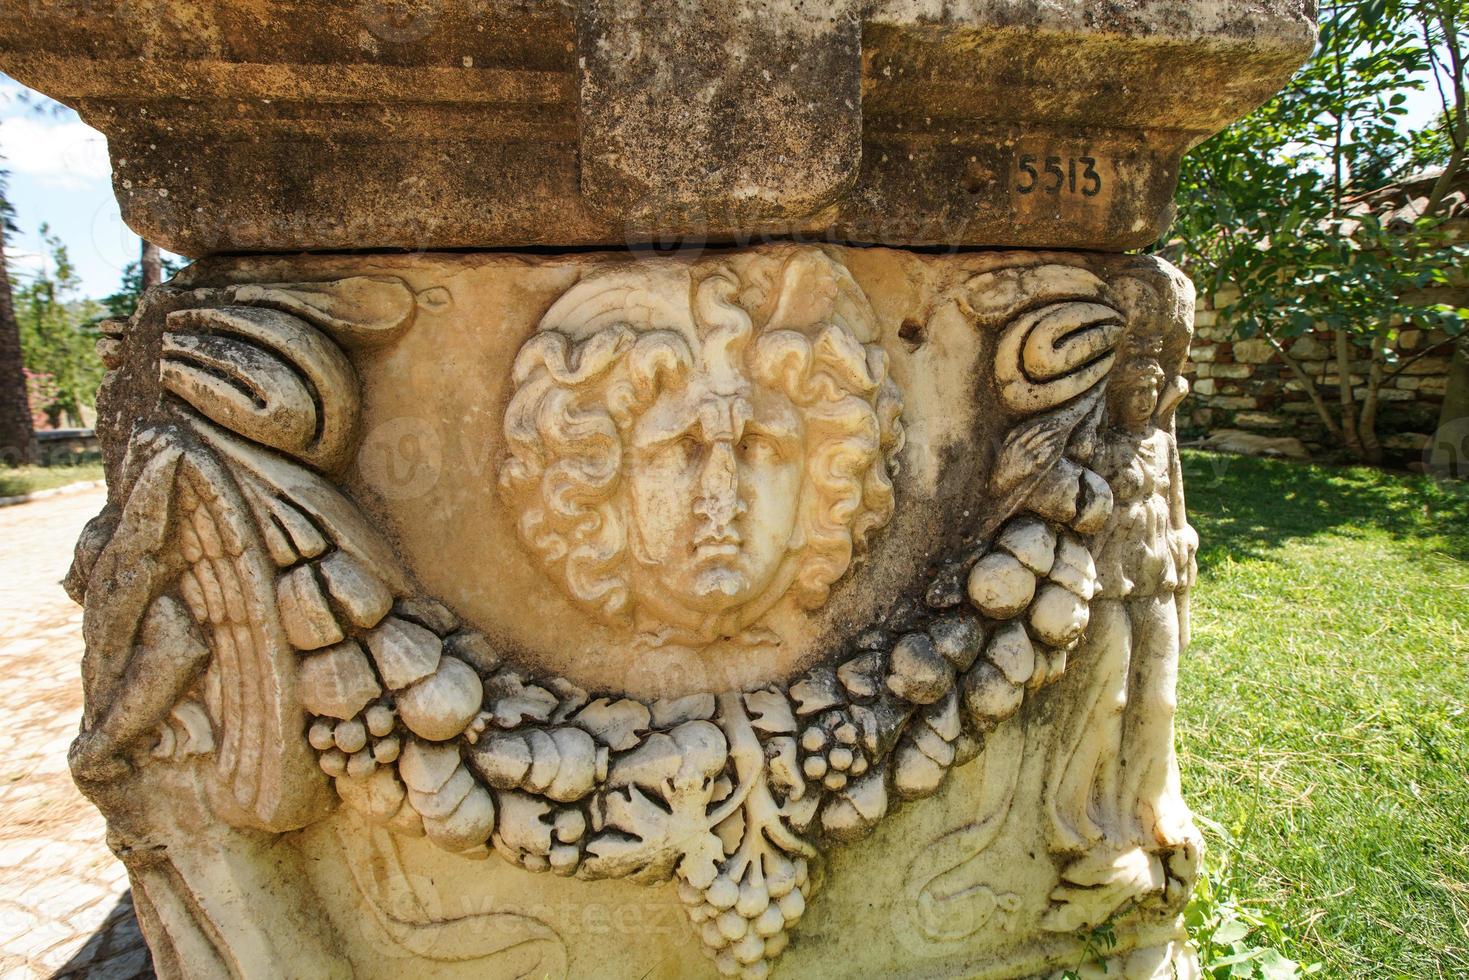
(687, 445)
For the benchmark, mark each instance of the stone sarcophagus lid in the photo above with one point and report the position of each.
(733, 589)
(430, 124)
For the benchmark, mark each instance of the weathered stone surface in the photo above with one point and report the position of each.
(1255, 444)
(1253, 351)
(337, 682)
(678, 570)
(1259, 420)
(718, 490)
(469, 123)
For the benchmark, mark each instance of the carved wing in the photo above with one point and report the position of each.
(249, 687)
(203, 594)
(185, 591)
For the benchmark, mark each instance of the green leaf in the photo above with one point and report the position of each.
(1274, 966)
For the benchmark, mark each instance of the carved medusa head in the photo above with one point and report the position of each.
(688, 443)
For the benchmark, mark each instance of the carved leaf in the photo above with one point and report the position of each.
(652, 840)
(670, 712)
(817, 691)
(616, 724)
(657, 842)
(1031, 448)
(569, 696)
(267, 375)
(770, 712)
(365, 311)
(513, 702)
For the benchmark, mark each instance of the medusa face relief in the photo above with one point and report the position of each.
(714, 481)
(688, 445)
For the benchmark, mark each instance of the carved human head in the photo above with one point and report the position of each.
(1134, 390)
(689, 443)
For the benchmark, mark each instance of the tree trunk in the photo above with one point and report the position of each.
(1448, 454)
(1351, 435)
(152, 263)
(17, 438)
(1308, 385)
(1367, 425)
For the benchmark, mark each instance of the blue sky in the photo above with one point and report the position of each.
(59, 173)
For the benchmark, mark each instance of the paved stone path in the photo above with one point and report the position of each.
(65, 909)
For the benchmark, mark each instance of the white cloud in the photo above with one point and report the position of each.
(23, 264)
(66, 154)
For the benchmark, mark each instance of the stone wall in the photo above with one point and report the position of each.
(1244, 393)
(64, 447)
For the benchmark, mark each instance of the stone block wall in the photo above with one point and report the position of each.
(64, 447)
(1244, 386)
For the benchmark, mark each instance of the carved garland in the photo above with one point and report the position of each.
(259, 586)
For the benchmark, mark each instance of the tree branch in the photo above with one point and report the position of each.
(1403, 364)
(1456, 121)
(1309, 384)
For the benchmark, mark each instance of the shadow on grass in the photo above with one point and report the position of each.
(1245, 507)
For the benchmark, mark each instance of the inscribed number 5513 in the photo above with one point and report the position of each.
(1080, 172)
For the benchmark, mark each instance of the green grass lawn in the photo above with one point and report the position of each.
(1324, 707)
(16, 480)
